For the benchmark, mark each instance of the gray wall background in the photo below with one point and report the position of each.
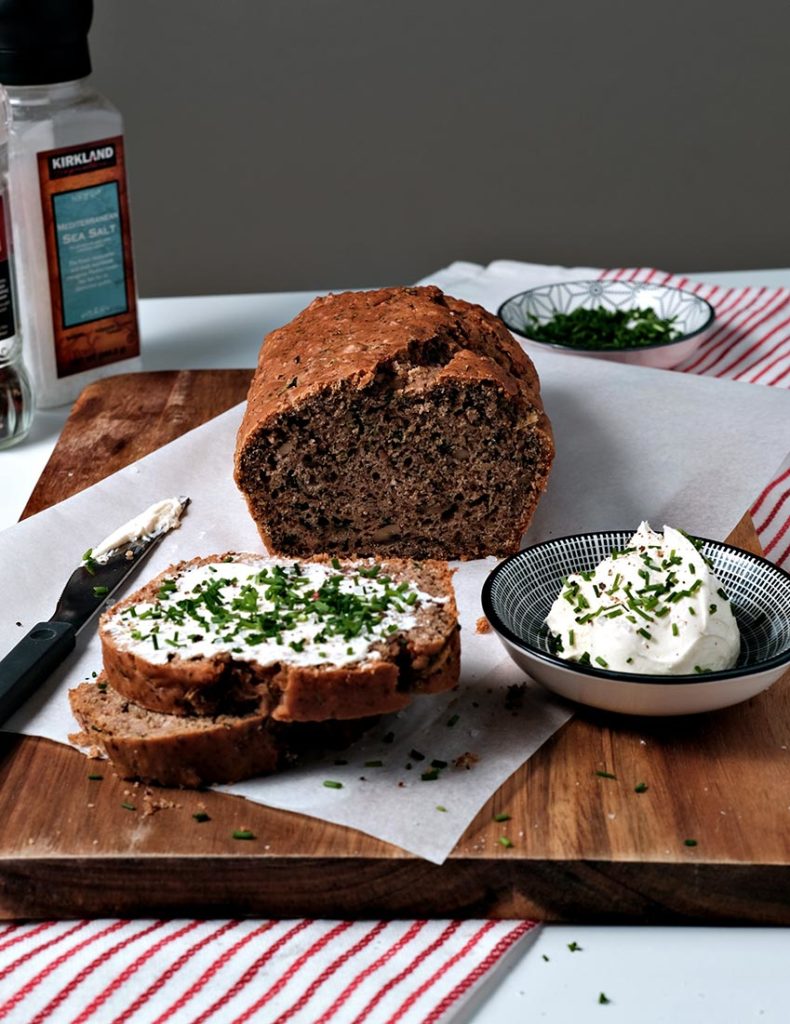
(289, 144)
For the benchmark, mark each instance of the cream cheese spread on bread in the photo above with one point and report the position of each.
(270, 611)
(656, 608)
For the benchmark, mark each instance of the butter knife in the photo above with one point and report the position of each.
(88, 590)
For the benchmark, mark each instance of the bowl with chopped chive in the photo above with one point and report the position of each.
(626, 321)
(643, 623)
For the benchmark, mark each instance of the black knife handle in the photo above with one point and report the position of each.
(32, 661)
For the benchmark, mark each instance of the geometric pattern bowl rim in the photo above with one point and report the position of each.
(592, 348)
(627, 677)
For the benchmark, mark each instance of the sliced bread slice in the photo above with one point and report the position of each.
(192, 752)
(316, 640)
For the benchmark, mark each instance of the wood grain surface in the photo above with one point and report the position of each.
(585, 848)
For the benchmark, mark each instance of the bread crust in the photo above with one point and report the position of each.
(425, 660)
(193, 752)
(346, 340)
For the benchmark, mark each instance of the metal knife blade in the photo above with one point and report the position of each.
(45, 646)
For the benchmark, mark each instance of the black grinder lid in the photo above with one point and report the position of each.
(44, 41)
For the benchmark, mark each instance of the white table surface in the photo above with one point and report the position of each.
(651, 975)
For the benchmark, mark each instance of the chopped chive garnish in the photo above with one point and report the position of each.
(545, 957)
(437, 763)
(605, 775)
(689, 842)
(603, 999)
(675, 630)
(374, 764)
(442, 809)
(201, 816)
(336, 563)
(571, 638)
(430, 776)
(452, 721)
(722, 594)
(504, 841)
(100, 591)
(643, 632)
(692, 569)
(574, 947)
(502, 817)
(95, 777)
(332, 784)
(243, 833)
(602, 662)
(712, 609)
(641, 787)
(128, 807)
(415, 755)
(102, 685)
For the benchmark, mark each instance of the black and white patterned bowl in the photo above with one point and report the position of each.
(519, 592)
(694, 315)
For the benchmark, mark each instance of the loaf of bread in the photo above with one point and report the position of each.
(199, 751)
(399, 422)
(317, 640)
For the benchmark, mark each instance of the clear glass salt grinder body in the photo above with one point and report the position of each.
(16, 400)
(47, 117)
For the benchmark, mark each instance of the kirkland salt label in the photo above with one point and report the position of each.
(89, 255)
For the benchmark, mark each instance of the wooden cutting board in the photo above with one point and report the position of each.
(585, 847)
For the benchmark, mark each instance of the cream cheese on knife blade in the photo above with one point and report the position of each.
(158, 518)
(654, 608)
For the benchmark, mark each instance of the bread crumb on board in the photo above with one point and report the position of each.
(483, 625)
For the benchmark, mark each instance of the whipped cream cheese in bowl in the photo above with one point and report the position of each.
(641, 622)
(653, 607)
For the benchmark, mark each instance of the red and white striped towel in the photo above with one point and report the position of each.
(188, 972)
(750, 342)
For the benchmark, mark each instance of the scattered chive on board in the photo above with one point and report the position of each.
(605, 775)
(501, 817)
(604, 328)
(504, 841)
(243, 833)
(332, 784)
(201, 816)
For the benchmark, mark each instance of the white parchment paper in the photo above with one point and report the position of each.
(632, 443)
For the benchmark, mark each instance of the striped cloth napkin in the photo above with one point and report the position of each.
(339, 972)
(305, 972)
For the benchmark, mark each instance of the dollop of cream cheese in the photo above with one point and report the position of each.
(269, 610)
(655, 608)
(159, 518)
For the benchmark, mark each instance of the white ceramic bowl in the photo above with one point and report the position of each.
(519, 592)
(694, 317)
